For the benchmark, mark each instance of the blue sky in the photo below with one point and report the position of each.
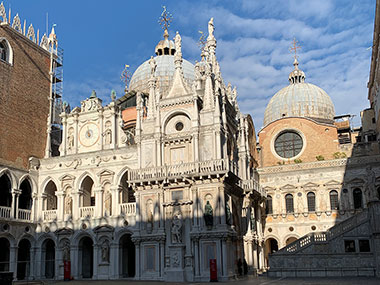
(100, 37)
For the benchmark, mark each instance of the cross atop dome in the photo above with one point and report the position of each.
(297, 75)
(165, 46)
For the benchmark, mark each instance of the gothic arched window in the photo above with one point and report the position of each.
(289, 203)
(334, 203)
(311, 201)
(358, 199)
(269, 206)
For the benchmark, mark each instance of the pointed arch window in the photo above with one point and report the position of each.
(334, 204)
(6, 52)
(3, 51)
(289, 203)
(358, 198)
(269, 205)
(311, 202)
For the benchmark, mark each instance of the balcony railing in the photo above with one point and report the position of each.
(24, 214)
(180, 170)
(5, 212)
(50, 215)
(129, 209)
(87, 212)
(250, 184)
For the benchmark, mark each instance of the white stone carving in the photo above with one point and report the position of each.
(31, 35)
(17, 23)
(3, 14)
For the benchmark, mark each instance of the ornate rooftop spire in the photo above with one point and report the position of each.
(165, 46)
(297, 75)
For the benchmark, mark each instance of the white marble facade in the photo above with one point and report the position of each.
(158, 208)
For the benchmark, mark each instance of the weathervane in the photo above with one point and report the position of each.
(294, 47)
(126, 76)
(202, 40)
(165, 19)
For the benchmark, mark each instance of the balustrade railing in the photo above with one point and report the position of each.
(50, 215)
(129, 209)
(24, 214)
(179, 170)
(324, 237)
(87, 212)
(5, 212)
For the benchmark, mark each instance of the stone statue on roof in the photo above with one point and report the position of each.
(178, 43)
(153, 66)
(211, 28)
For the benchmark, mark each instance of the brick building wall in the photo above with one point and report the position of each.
(320, 139)
(24, 104)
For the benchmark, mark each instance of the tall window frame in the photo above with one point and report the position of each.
(310, 202)
(269, 205)
(357, 195)
(289, 203)
(334, 201)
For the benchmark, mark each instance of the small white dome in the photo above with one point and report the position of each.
(164, 73)
(300, 99)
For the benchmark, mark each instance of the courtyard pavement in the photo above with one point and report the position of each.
(253, 281)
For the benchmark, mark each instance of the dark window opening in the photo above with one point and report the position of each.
(311, 202)
(289, 203)
(269, 205)
(334, 204)
(5, 193)
(3, 51)
(25, 199)
(358, 199)
(349, 246)
(364, 245)
(166, 51)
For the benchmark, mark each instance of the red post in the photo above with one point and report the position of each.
(213, 271)
(67, 270)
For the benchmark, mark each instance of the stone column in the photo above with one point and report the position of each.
(34, 207)
(13, 260)
(254, 254)
(76, 139)
(224, 261)
(60, 205)
(222, 206)
(74, 257)
(137, 260)
(98, 202)
(115, 193)
(38, 261)
(15, 194)
(95, 261)
(76, 204)
(114, 264)
(162, 258)
(64, 135)
(196, 256)
(40, 205)
(101, 124)
(113, 127)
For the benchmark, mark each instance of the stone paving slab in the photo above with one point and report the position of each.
(252, 281)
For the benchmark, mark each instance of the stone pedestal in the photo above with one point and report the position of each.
(175, 271)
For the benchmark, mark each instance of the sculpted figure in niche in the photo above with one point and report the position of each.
(228, 210)
(149, 212)
(70, 139)
(108, 135)
(68, 205)
(153, 66)
(369, 186)
(211, 28)
(66, 251)
(105, 251)
(176, 228)
(208, 215)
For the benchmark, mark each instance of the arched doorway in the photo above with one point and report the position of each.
(23, 260)
(4, 254)
(127, 256)
(127, 195)
(271, 246)
(290, 240)
(25, 199)
(86, 257)
(5, 193)
(48, 258)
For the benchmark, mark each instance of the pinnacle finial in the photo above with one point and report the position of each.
(165, 19)
(93, 94)
(294, 48)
